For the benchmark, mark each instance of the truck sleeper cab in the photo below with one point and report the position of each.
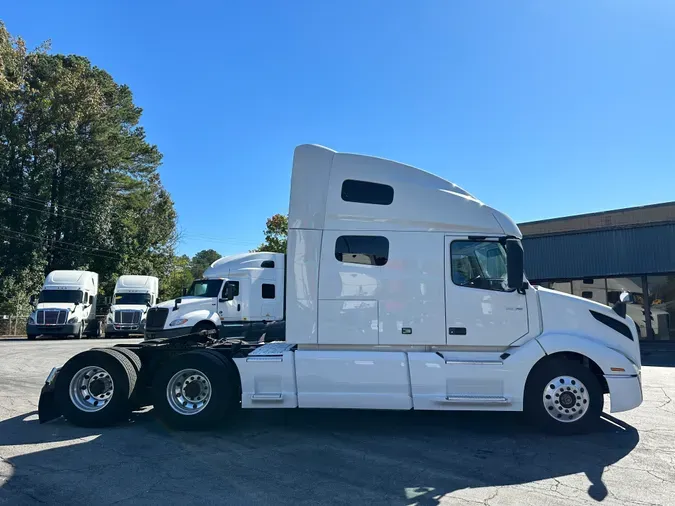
(134, 295)
(403, 292)
(66, 306)
(240, 296)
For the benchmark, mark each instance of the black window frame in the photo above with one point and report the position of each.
(339, 255)
(491, 287)
(233, 283)
(274, 290)
(367, 192)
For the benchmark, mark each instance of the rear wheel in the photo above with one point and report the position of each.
(563, 396)
(93, 388)
(195, 390)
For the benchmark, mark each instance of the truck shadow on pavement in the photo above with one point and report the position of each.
(302, 457)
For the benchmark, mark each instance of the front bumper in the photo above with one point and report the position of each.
(625, 391)
(120, 328)
(166, 333)
(53, 330)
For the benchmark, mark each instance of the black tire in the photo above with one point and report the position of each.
(131, 356)
(202, 326)
(31, 337)
(224, 397)
(134, 400)
(541, 376)
(124, 377)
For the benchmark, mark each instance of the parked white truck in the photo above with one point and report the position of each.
(239, 296)
(66, 306)
(133, 296)
(403, 291)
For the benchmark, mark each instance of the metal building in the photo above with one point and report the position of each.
(599, 255)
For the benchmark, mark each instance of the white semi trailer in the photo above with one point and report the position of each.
(66, 306)
(403, 291)
(134, 294)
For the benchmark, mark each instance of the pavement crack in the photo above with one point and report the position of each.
(487, 501)
(668, 401)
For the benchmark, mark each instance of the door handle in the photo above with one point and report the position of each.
(238, 307)
(457, 331)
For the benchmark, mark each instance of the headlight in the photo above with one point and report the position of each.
(179, 321)
(31, 320)
(74, 319)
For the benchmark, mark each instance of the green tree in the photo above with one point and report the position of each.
(79, 187)
(178, 278)
(201, 261)
(276, 234)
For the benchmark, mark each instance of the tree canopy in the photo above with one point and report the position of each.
(79, 187)
(276, 234)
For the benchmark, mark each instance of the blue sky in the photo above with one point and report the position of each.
(540, 109)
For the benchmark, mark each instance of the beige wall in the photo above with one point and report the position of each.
(635, 216)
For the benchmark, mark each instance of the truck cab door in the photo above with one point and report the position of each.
(480, 310)
(229, 302)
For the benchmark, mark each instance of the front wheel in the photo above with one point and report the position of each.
(564, 397)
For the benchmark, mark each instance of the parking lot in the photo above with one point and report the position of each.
(328, 457)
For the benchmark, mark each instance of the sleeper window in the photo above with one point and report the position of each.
(362, 249)
(366, 192)
(268, 291)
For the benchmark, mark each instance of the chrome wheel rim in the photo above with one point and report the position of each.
(91, 389)
(566, 399)
(188, 392)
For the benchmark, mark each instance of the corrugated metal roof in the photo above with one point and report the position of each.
(624, 251)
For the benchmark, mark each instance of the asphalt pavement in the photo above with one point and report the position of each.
(327, 457)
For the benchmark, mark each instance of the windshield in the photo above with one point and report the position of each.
(205, 288)
(132, 298)
(60, 296)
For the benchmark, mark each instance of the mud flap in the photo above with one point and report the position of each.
(47, 407)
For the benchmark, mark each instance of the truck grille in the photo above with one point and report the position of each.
(156, 317)
(128, 317)
(51, 316)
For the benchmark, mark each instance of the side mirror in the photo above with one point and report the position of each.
(184, 291)
(91, 300)
(626, 297)
(147, 303)
(228, 292)
(176, 302)
(32, 300)
(514, 264)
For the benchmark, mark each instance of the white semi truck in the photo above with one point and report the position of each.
(66, 306)
(133, 296)
(403, 291)
(239, 296)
